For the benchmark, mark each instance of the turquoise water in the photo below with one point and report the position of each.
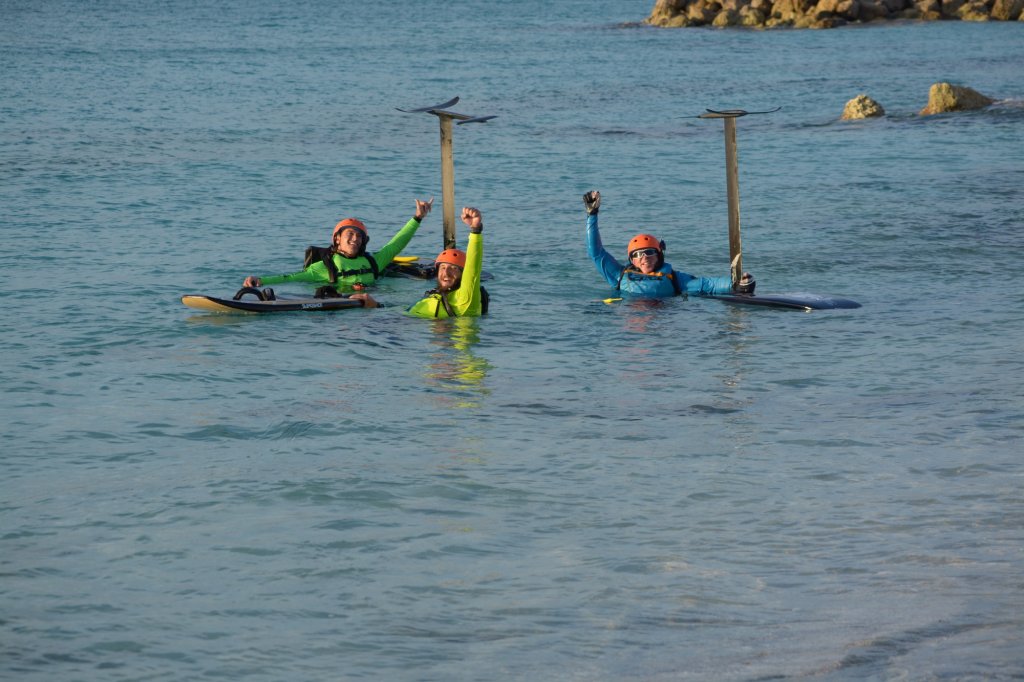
(565, 489)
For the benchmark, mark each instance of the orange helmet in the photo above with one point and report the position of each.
(645, 241)
(350, 222)
(453, 256)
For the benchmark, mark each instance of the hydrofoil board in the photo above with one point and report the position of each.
(261, 304)
(794, 301)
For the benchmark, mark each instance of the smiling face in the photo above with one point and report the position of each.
(645, 260)
(348, 242)
(448, 275)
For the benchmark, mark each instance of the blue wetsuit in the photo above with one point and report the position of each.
(658, 284)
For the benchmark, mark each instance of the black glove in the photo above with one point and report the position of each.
(746, 284)
(327, 292)
(592, 200)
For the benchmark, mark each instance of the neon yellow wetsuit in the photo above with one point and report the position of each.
(350, 270)
(464, 301)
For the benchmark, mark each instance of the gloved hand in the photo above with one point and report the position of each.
(592, 200)
(746, 284)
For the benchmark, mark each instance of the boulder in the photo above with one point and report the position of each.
(862, 106)
(943, 97)
(702, 12)
(787, 12)
(1008, 10)
(665, 12)
(846, 9)
(929, 10)
(751, 17)
(976, 10)
(871, 10)
(727, 17)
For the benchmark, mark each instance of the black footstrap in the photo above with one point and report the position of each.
(249, 290)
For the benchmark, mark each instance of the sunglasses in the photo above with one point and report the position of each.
(644, 252)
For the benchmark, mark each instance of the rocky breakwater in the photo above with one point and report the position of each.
(825, 13)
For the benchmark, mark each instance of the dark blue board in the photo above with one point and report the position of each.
(794, 301)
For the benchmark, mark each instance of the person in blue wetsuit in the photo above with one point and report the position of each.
(647, 274)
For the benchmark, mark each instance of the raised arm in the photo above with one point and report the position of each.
(606, 264)
(402, 238)
(467, 299)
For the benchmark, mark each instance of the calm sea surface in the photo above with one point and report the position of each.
(565, 489)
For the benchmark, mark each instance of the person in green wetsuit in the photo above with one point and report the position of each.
(458, 292)
(349, 267)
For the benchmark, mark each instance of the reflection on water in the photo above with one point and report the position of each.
(643, 312)
(452, 368)
(685, 350)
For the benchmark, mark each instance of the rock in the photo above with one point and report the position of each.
(789, 11)
(825, 13)
(751, 17)
(944, 97)
(665, 12)
(951, 8)
(702, 12)
(862, 106)
(727, 17)
(871, 10)
(895, 6)
(1008, 10)
(975, 10)
(848, 9)
(929, 10)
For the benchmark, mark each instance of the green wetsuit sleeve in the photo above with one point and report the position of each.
(316, 272)
(466, 300)
(394, 247)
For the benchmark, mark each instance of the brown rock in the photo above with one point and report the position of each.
(666, 13)
(727, 17)
(928, 9)
(862, 106)
(789, 11)
(847, 9)
(751, 17)
(975, 10)
(944, 97)
(1008, 10)
(702, 12)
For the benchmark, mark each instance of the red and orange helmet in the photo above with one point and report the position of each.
(645, 241)
(350, 222)
(453, 256)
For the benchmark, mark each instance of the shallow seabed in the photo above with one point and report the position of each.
(565, 489)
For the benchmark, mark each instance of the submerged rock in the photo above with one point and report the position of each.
(943, 97)
(862, 106)
(824, 13)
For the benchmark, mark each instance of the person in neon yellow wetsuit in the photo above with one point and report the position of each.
(458, 277)
(353, 269)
